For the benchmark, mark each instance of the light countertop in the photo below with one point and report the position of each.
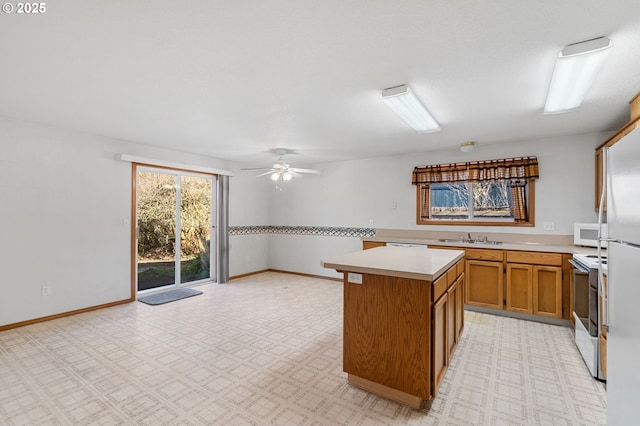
(526, 246)
(405, 262)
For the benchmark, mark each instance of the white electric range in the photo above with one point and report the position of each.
(586, 312)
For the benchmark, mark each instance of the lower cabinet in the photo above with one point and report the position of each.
(399, 333)
(447, 325)
(547, 291)
(485, 281)
(602, 334)
(439, 358)
(459, 314)
(519, 288)
(603, 355)
(534, 289)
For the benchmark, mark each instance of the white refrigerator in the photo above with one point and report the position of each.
(623, 316)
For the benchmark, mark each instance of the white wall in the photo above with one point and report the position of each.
(249, 200)
(352, 193)
(65, 210)
(65, 204)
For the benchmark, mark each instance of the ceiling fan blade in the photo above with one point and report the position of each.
(305, 171)
(294, 173)
(257, 168)
(266, 173)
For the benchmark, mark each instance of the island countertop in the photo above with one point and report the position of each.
(405, 262)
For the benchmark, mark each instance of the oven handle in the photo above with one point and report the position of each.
(578, 266)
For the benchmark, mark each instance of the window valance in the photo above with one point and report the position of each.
(522, 168)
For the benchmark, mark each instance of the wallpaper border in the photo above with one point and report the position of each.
(326, 231)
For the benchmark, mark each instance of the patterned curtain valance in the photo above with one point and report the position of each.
(523, 168)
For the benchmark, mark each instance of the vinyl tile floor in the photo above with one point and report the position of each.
(267, 349)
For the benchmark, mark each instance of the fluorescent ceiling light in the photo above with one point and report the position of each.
(404, 103)
(576, 69)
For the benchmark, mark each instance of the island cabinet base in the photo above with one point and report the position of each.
(387, 332)
(385, 391)
(389, 327)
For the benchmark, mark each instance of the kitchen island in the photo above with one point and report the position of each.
(403, 317)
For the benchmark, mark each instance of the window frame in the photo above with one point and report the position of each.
(530, 191)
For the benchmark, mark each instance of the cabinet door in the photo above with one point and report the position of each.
(603, 355)
(484, 284)
(452, 304)
(459, 307)
(547, 291)
(439, 360)
(519, 288)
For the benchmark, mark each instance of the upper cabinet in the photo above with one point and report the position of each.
(631, 125)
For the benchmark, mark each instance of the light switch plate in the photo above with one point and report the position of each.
(354, 278)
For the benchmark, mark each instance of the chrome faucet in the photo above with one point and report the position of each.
(469, 235)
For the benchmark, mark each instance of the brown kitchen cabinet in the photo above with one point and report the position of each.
(455, 313)
(519, 288)
(399, 333)
(440, 358)
(485, 278)
(534, 283)
(547, 291)
(526, 282)
(602, 334)
(447, 321)
(634, 122)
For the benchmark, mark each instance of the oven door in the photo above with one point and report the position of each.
(580, 293)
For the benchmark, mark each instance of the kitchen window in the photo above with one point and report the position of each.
(494, 192)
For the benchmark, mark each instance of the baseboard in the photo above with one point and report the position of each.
(121, 302)
(63, 314)
(517, 315)
(285, 272)
(248, 274)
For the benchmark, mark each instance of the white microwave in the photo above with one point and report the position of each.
(586, 234)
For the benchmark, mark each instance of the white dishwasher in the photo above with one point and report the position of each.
(406, 245)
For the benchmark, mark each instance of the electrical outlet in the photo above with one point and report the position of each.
(46, 290)
(354, 278)
(549, 226)
(394, 205)
(370, 222)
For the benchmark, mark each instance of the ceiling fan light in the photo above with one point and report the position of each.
(286, 176)
(275, 176)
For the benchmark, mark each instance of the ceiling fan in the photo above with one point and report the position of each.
(281, 171)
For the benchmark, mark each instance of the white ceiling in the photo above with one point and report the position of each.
(234, 79)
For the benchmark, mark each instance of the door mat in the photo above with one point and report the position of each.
(169, 296)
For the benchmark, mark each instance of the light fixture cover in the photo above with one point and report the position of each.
(467, 146)
(575, 71)
(404, 103)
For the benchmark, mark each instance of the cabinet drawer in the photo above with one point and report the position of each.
(460, 267)
(485, 254)
(534, 258)
(440, 286)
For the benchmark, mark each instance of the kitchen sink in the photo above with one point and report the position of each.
(445, 240)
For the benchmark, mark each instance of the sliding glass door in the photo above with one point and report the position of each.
(175, 216)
